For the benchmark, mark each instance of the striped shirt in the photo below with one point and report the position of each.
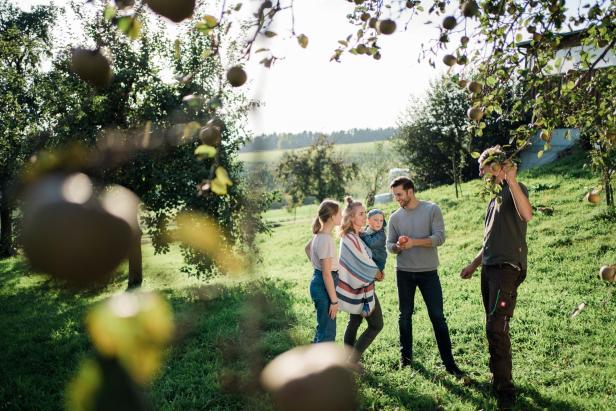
(356, 272)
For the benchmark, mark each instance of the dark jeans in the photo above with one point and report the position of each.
(499, 289)
(326, 327)
(375, 325)
(430, 287)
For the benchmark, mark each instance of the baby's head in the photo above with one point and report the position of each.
(376, 219)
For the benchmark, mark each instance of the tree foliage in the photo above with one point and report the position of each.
(315, 171)
(143, 131)
(433, 138)
(24, 41)
(373, 167)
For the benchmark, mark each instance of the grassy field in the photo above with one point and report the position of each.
(560, 363)
(349, 151)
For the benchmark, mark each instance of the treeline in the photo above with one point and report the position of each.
(306, 138)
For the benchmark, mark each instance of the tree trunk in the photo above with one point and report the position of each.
(370, 199)
(135, 263)
(455, 174)
(607, 187)
(6, 222)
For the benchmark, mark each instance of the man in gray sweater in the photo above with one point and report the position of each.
(416, 229)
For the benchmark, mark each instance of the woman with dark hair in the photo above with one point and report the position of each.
(357, 273)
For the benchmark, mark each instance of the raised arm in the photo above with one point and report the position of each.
(520, 198)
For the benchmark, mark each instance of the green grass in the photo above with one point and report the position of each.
(349, 151)
(560, 363)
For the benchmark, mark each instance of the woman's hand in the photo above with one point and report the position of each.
(333, 310)
(379, 276)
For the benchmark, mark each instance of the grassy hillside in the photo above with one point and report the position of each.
(560, 363)
(349, 151)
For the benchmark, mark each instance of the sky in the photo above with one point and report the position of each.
(305, 91)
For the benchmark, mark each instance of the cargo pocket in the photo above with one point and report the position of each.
(504, 303)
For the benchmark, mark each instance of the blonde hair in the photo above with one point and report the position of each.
(348, 214)
(327, 209)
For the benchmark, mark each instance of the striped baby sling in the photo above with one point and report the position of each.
(356, 273)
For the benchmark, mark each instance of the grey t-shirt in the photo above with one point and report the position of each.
(425, 220)
(322, 247)
(504, 239)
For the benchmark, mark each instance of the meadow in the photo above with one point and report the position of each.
(560, 362)
(350, 152)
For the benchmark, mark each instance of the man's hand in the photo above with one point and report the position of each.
(467, 272)
(379, 276)
(511, 171)
(404, 243)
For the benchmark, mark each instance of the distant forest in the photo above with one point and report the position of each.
(305, 138)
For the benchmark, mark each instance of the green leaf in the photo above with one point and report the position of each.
(518, 37)
(475, 155)
(124, 23)
(130, 26)
(540, 154)
(203, 27)
(205, 151)
(135, 30)
(110, 12)
(302, 39)
(177, 49)
(270, 34)
(210, 21)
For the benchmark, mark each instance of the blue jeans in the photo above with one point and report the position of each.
(430, 287)
(326, 327)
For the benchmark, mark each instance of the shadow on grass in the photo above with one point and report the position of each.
(41, 341)
(226, 335)
(481, 396)
(408, 399)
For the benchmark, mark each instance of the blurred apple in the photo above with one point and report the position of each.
(312, 377)
(176, 10)
(91, 66)
(236, 76)
(608, 273)
(593, 197)
(73, 234)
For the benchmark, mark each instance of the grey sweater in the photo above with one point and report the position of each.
(426, 220)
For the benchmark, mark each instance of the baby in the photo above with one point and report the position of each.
(374, 237)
